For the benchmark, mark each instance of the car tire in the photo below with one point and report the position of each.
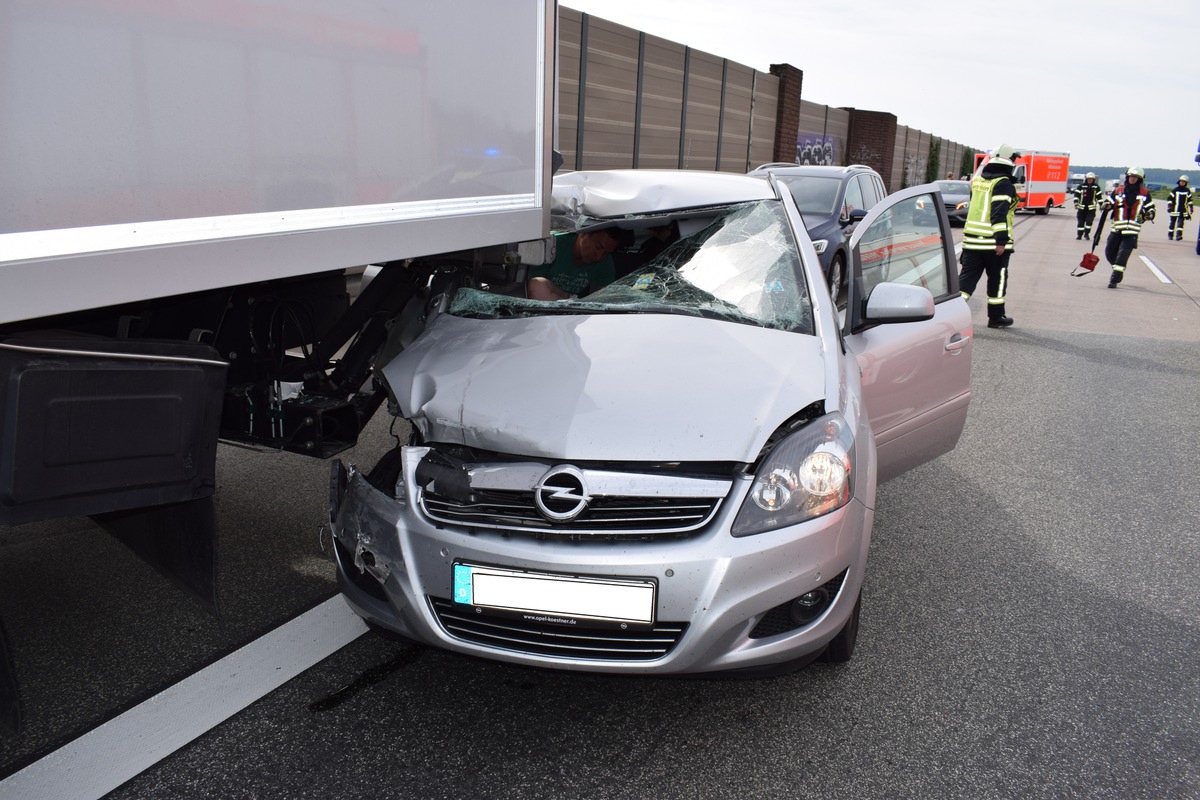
(836, 276)
(841, 647)
(1046, 210)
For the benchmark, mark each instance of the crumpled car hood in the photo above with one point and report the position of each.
(636, 387)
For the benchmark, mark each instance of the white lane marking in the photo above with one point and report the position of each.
(1157, 272)
(122, 748)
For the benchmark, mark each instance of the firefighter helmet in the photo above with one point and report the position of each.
(1141, 173)
(1183, 179)
(1005, 154)
(1091, 175)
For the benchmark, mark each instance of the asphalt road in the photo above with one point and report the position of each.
(1030, 621)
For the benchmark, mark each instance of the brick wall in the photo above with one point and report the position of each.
(787, 114)
(872, 141)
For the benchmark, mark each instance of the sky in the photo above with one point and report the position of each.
(1111, 83)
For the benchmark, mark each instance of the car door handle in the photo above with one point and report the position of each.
(956, 344)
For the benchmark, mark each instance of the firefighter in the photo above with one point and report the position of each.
(1179, 208)
(1087, 199)
(1130, 206)
(988, 233)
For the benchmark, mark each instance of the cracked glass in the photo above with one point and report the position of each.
(737, 263)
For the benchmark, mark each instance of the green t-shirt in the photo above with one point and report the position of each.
(571, 277)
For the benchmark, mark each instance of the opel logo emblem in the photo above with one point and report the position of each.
(562, 494)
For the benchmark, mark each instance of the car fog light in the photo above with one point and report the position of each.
(809, 606)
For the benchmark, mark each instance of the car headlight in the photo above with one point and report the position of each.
(962, 205)
(819, 245)
(807, 475)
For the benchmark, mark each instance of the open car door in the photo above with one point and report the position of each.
(915, 375)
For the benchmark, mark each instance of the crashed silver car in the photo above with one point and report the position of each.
(676, 473)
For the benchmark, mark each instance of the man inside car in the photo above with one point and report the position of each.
(582, 263)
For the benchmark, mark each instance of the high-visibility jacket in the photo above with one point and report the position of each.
(990, 216)
(1179, 202)
(1128, 220)
(1087, 196)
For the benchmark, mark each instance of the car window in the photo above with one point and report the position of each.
(813, 194)
(854, 198)
(866, 186)
(905, 245)
(738, 264)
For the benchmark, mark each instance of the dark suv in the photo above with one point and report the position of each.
(831, 200)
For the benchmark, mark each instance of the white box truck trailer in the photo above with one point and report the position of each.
(186, 188)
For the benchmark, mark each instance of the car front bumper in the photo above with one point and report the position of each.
(719, 602)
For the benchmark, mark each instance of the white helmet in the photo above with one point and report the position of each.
(1091, 175)
(1004, 155)
(1183, 179)
(1141, 173)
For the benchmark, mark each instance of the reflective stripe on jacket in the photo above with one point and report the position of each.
(991, 212)
(1087, 196)
(1123, 221)
(1179, 201)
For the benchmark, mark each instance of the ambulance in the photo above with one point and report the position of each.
(1040, 177)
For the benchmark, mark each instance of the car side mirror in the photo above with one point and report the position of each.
(854, 216)
(899, 302)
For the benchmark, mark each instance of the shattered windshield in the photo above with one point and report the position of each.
(737, 263)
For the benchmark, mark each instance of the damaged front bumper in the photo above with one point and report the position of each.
(702, 603)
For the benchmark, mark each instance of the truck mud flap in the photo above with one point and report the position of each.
(178, 539)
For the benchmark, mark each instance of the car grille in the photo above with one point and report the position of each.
(557, 641)
(569, 501)
(618, 516)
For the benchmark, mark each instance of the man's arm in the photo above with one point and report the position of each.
(542, 288)
(1004, 197)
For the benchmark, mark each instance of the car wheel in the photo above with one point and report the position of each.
(837, 272)
(1046, 210)
(841, 647)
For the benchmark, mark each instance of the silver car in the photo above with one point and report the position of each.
(674, 474)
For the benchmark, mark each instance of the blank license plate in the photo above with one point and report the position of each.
(607, 599)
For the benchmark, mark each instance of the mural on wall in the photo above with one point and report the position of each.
(812, 149)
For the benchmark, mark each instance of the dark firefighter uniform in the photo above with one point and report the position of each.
(1087, 200)
(1131, 206)
(1179, 208)
(988, 234)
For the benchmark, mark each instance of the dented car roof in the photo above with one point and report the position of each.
(614, 193)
